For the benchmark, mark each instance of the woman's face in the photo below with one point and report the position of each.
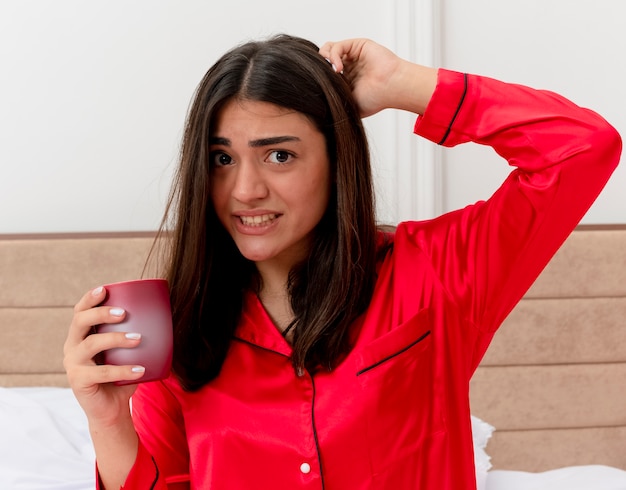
(270, 179)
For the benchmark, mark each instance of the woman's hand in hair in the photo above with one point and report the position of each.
(379, 78)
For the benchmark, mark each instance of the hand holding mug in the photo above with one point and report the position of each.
(148, 317)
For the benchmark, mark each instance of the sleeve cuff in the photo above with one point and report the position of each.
(144, 469)
(437, 121)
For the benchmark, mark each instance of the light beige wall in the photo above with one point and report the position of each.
(94, 94)
(575, 47)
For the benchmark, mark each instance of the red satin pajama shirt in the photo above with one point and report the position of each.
(395, 413)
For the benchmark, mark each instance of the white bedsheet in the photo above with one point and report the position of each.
(44, 442)
(570, 478)
(45, 445)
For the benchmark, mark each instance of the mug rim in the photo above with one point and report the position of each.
(134, 281)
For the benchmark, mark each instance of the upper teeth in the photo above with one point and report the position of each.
(257, 220)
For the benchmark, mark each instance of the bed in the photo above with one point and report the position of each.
(548, 401)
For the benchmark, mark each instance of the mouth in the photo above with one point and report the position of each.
(258, 221)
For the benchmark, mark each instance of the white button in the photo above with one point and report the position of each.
(305, 468)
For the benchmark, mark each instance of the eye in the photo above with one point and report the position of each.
(280, 156)
(220, 159)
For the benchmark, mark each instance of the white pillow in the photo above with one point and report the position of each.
(481, 432)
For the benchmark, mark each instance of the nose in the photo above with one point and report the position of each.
(249, 185)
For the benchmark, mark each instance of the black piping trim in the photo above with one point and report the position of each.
(458, 109)
(364, 370)
(156, 478)
(317, 445)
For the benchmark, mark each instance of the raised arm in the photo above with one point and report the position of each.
(561, 157)
(488, 254)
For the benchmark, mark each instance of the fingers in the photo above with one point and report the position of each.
(83, 378)
(82, 370)
(85, 352)
(82, 345)
(87, 314)
(338, 53)
(91, 299)
(94, 344)
(367, 67)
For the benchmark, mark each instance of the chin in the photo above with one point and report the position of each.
(256, 255)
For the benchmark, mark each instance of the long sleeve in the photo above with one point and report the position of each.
(490, 253)
(163, 456)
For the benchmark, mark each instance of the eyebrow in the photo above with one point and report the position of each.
(273, 140)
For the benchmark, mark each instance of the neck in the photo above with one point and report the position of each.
(273, 280)
(274, 295)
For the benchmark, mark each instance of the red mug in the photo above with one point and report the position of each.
(148, 312)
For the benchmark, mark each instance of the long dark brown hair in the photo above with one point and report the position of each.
(208, 276)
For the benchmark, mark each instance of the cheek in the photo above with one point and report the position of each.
(322, 196)
(218, 198)
(216, 190)
(316, 198)
(325, 186)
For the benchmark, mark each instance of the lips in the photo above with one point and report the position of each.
(258, 220)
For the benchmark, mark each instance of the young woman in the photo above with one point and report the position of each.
(311, 349)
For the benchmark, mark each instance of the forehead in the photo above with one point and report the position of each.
(256, 118)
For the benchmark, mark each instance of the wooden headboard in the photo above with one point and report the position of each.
(41, 278)
(553, 382)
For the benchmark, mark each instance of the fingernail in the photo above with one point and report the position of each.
(116, 311)
(97, 291)
(138, 369)
(133, 336)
